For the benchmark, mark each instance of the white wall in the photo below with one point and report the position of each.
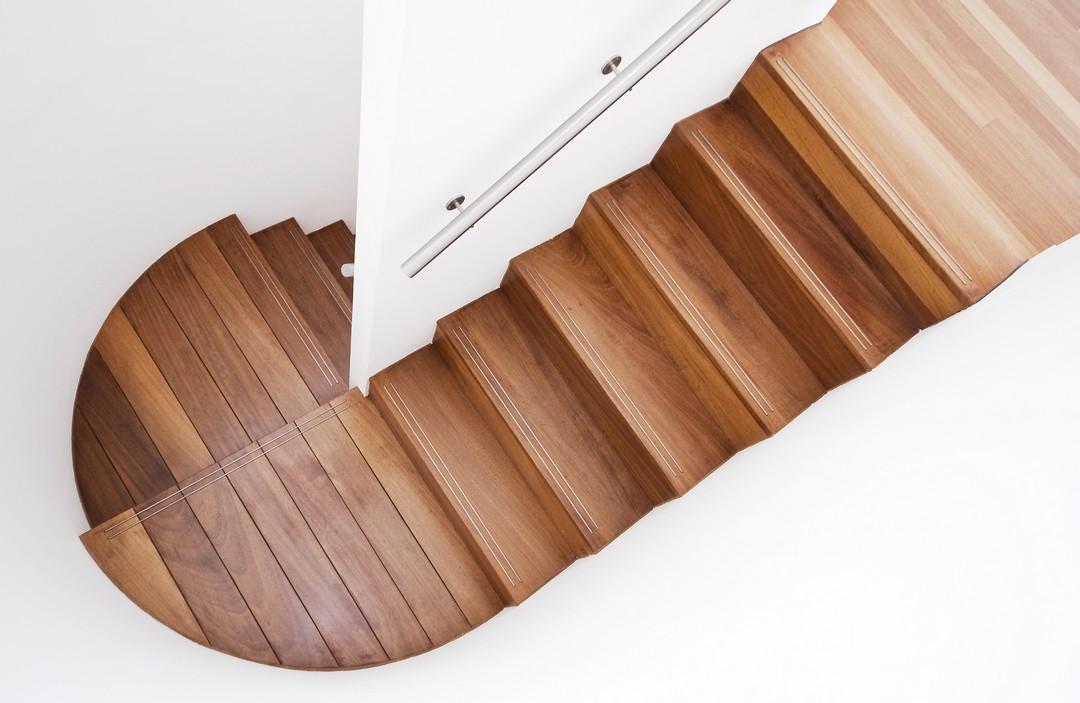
(456, 92)
(127, 125)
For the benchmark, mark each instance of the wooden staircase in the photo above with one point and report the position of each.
(868, 178)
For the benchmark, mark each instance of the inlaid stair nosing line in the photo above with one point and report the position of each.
(344, 237)
(765, 219)
(497, 389)
(320, 272)
(690, 308)
(610, 379)
(901, 204)
(456, 491)
(262, 449)
(291, 315)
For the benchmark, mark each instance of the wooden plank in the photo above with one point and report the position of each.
(150, 396)
(245, 322)
(476, 481)
(121, 434)
(182, 368)
(259, 577)
(632, 386)
(421, 512)
(268, 296)
(337, 246)
(326, 599)
(237, 385)
(1046, 32)
(207, 587)
(320, 302)
(944, 206)
(345, 543)
(568, 461)
(225, 518)
(783, 245)
(101, 490)
(741, 365)
(878, 230)
(134, 566)
(410, 571)
(1032, 184)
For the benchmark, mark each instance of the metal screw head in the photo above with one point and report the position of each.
(455, 203)
(612, 65)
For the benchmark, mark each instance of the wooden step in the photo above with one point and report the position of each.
(1037, 186)
(311, 286)
(741, 365)
(231, 268)
(941, 232)
(425, 519)
(616, 366)
(337, 246)
(174, 441)
(783, 245)
(570, 464)
(475, 480)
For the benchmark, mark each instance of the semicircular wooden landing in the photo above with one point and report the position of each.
(854, 190)
(236, 490)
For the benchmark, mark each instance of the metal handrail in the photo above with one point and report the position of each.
(623, 82)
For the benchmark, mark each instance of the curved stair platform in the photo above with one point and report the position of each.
(868, 178)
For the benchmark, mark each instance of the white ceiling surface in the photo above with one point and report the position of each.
(911, 537)
(455, 93)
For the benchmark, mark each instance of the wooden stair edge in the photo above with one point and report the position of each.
(884, 232)
(141, 574)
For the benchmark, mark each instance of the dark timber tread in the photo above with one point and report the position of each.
(311, 286)
(337, 246)
(868, 178)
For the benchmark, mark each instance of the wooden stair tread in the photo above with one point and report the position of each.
(391, 579)
(1037, 185)
(311, 287)
(902, 161)
(476, 481)
(101, 490)
(337, 246)
(535, 411)
(786, 249)
(425, 519)
(207, 587)
(568, 300)
(690, 297)
(118, 432)
(233, 270)
(139, 572)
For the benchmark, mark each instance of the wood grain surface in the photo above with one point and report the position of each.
(869, 177)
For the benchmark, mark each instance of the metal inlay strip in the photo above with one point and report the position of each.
(917, 222)
(320, 272)
(778, 236)
(624, 398)
(293, 318)
(492, 381)
(691, 309)
(456, 491)
(261, 450)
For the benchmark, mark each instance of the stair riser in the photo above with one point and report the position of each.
(881, 234)
(715, 391)
(740, 240)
